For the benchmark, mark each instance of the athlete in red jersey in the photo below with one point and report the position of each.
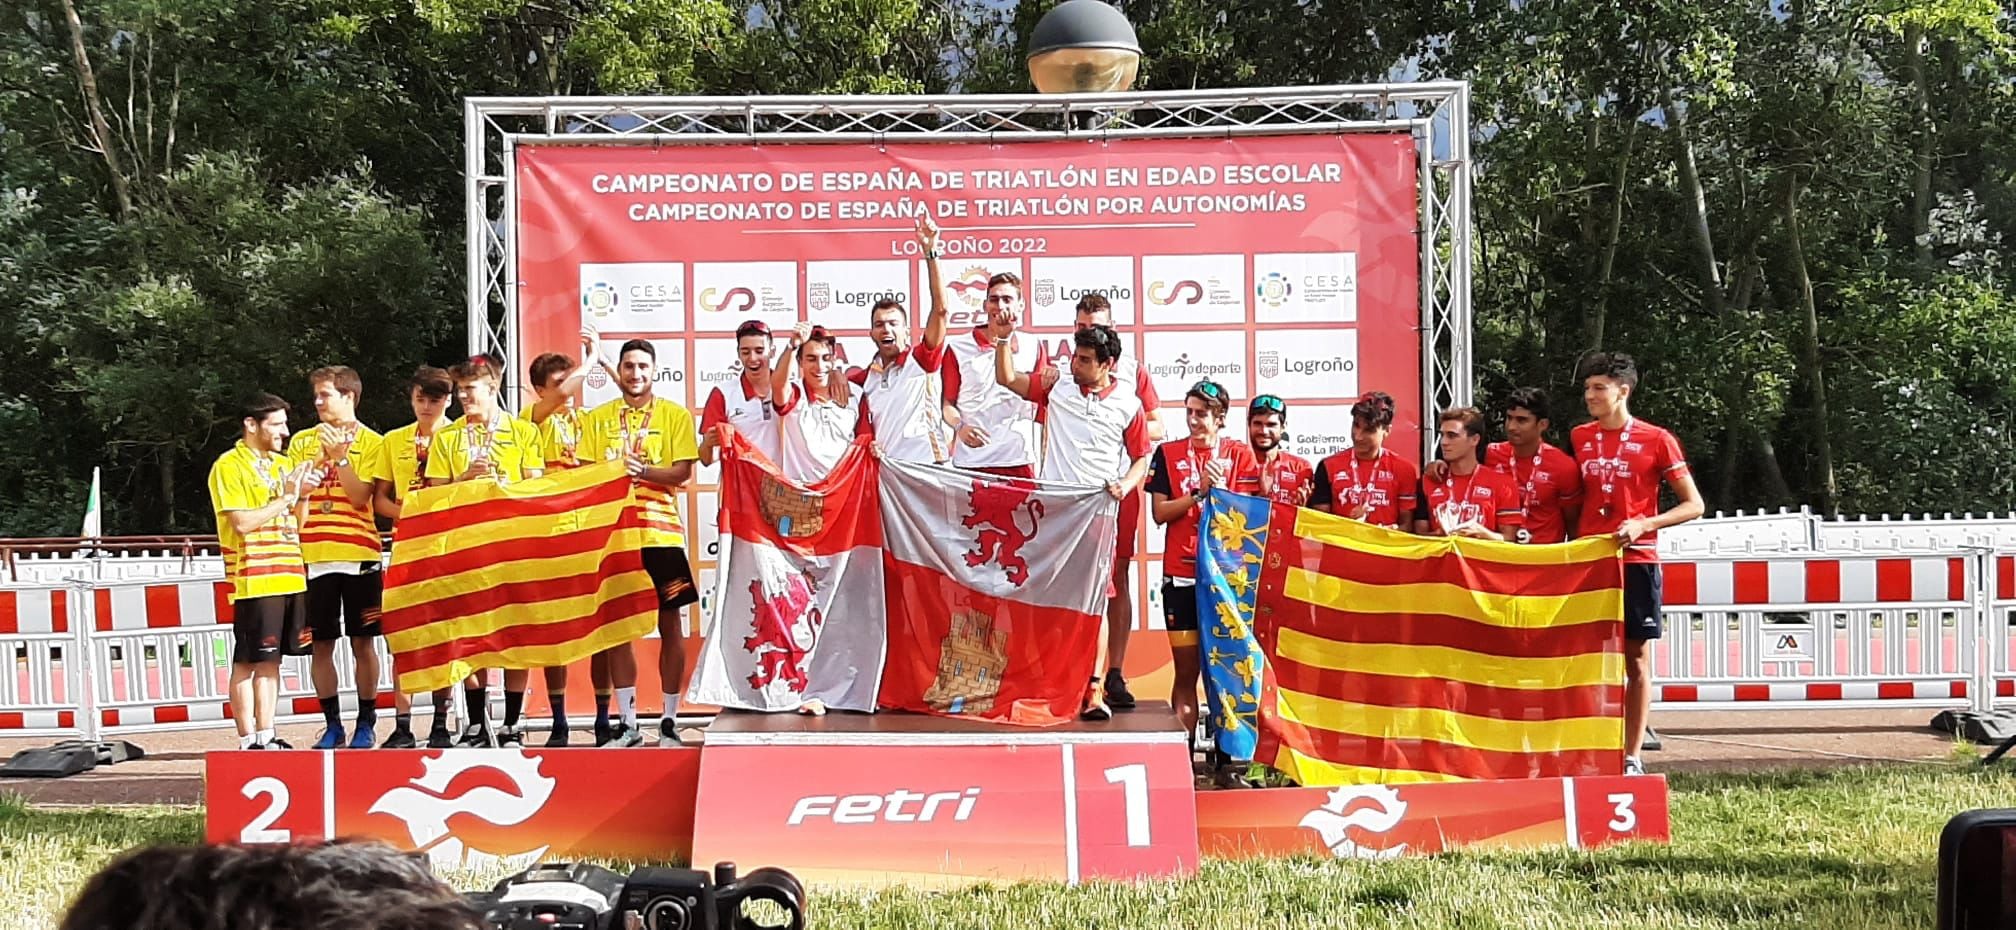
(1624, 459)
(1467, 499)
(1549, 481)
(1284, 477)
(1368, 481)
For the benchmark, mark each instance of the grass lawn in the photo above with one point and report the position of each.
(1845, 848)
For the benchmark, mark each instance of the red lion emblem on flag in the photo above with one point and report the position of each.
(786, 625)
(995, 510)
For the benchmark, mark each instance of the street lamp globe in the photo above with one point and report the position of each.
(1083, 46)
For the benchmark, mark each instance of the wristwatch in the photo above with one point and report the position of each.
(1197, 495)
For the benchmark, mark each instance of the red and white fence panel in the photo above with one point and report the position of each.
(1823, 629)
(39, 694)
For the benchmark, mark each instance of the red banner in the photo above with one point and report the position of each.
(1286, 265)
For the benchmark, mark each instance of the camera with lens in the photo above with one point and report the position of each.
(581, 896)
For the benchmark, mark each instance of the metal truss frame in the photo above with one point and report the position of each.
(1437, 114)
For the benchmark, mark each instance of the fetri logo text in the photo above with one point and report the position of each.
(899, 806)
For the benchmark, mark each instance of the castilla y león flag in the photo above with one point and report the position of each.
(797, 614)
(996, 590)
(904, 586)
(531, 575)
(1353, 654)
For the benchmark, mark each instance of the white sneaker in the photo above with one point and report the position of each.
(1632, 766)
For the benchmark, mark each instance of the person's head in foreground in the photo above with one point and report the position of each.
(323, 886)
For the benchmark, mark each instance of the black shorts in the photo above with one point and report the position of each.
(1179, 613)
(345, 605)
(265, 628)
(1644, 601)
(671, 576)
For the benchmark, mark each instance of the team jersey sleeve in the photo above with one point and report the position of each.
(790, 402)
(857, 377)
(302, 448)
(1672, 463)
(1040, 385)
(1136, 437)
(445, 442)
(1158, 475)
(1511, 514)
(928, 357)
(384, 470)
(681, 441)
(232, 489)
(1319, 487)
(1568, 482)
(1144, 387)
(715, 412)
(1245, 471)
(535, 449)
(1408, 496)
(367, 456)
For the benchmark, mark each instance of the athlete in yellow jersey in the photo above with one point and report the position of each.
(486, 444)
(257, 491)
(655, 438)
(339, 541)
(556, 379)
(402, 469)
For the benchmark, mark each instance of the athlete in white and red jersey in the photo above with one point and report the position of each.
(1283, 477)
(902, 402)
(1094, 432)
(1623, 461)
(1549, 481)
(749, 406)
(1128, 372)
(1368, 481)
(1181, 474)
(1467, 499)
(993, 430)
(816, 406)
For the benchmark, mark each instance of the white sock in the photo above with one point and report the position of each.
(248, 741)
(671, 706)
(266, 735)
(626, 706)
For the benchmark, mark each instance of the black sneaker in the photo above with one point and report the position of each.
(557, 737)
(668, 733)
(511, 738)
(604, 732)
(278, 743)
(473, 736)
(440, 738)
(401, 738)
(1117, 695)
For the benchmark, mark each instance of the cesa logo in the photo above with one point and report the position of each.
(885, 808)
(600, 298)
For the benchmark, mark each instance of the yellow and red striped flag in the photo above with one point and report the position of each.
(531, 575)
(1393, 658)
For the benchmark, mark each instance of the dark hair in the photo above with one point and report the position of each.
(1101, 339)
(1530, 399)
(1613, 365)
(638, 345)
(546, 365)
(1093, 303)
(431, 381)
(1472, 420)
(1374, 409)
(259, 406)
(818, 334)
(355, 886)
(751, 328)
(1212, 394)
(885, 304)
(1006, 277)
(342, 376)
(1268, 403)
(477, 368)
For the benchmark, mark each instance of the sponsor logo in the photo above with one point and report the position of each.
(996, 509)
(600, 299)
(1044, 292)
(1269, 363)
(1162, 293)
(732, 300)
(598, 378)
(785, 624)
(819, 294)
(1184, 368)
(425, 808)
(732, 371)
(1365, 809)
(1274, 289)
(970, 286)
(899, 806)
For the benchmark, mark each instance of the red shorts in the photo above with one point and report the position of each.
(1130, 528)
(1008, 471)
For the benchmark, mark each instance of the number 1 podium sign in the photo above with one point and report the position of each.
(933, 813)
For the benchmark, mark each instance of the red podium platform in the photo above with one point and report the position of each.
(900, 798)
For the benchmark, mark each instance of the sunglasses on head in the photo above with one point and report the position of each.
(1270, 402)
(1208, 389)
